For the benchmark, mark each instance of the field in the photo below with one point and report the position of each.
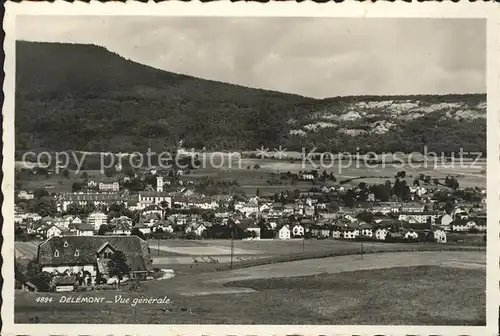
(250, 179)
(444, 288)
(198, 256)
(56, 183)
(25, 250)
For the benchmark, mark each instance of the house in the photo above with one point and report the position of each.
(350, 230)
(440, 236)
(52, 231)
(336, 232)
(199, 229)
(366, 230)
(284, 232)
(61, 223)
(153, 209)
(121, 228)
(309, 211)
(253, 229)
(381, 233)
(323, 231)
(142, 228)
(97, 198)
(91, 253)
(410, 234)
(466, 225)
(96, 219)
(298, 231)
(84, 230)
(153, 197)
(412, 207)
(418, 217)
(163, 226)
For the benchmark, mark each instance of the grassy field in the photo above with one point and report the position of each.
(468, 174)
(416, 295)
(250, 179)
(202, 256)
(57, 183)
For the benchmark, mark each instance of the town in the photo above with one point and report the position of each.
(172, 205)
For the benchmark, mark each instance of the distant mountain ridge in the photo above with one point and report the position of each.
(83, 97)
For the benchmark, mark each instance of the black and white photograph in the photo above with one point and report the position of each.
(248, 170)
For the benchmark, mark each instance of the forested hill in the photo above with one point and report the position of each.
(83, 97)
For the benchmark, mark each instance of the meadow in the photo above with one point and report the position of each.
(415, 295)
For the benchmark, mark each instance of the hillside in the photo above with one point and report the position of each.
(84, 97)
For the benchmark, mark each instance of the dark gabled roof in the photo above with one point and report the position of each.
(135, 249)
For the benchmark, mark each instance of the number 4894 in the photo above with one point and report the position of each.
(43, 299)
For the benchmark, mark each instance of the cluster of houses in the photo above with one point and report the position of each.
(305, 215)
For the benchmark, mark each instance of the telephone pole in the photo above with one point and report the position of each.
(232, 244)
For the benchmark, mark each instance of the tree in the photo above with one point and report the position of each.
(117, 265)
(401, 174)
(77, 186)
(436, 181)
(74, 209)
(110, 172)
(19, 234)
(39, 193)
(349, 198)
(103, 229)
(129, 171)
(46, 206)
(416, 183)
(136, 232)
(256, 166)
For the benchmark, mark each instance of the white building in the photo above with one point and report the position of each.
(350, 233)
(109, 186)
(298, 230)
(150, 198)
(85, 230)
(96, 219)
(440, 236)
(52, 231)
(410, 235)
(381, 234)
(26, 195)
(284, 232)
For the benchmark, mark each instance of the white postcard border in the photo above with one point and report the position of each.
(489, 11)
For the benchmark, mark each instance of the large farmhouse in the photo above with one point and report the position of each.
(76, 254)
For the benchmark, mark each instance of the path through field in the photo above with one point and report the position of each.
(212, 283)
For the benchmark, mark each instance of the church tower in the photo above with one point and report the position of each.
(159, 183)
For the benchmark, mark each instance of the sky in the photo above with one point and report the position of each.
(314, 57)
